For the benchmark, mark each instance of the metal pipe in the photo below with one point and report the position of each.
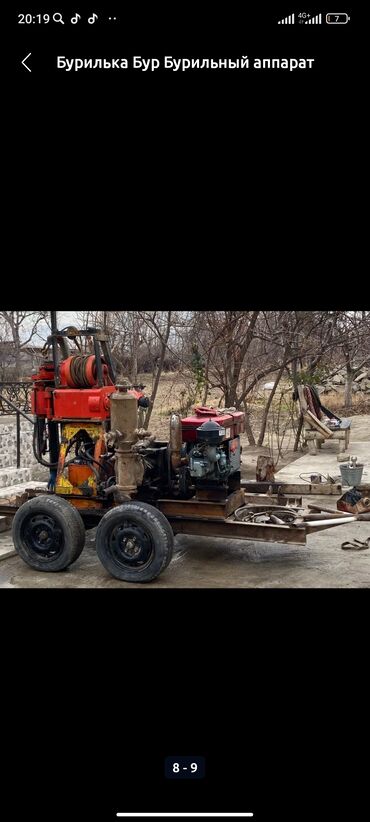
(320, 508)
(112, 490)
(312, 517)
(277, 520)
(128, 466)
(323, 522)
(54, 342)
(18, 423)
(99, 370)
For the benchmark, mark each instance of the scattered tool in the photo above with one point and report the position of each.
(276, 520)
(356, 545)
(355, 501)
(320, 508)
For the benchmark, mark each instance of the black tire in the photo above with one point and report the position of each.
(48, 533)
(134, 542)
(171, 537)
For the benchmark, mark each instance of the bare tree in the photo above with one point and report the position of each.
(160, 324)
(21, 327)
(355, 335)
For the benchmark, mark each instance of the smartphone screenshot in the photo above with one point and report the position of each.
(184, 421)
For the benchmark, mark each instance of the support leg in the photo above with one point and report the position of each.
(343, 445)
(313, 446)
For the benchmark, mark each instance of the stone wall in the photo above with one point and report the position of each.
(337, 383)
(29, 467)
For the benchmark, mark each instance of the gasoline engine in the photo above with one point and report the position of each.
(213, 457)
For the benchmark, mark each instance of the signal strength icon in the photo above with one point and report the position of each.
(290, 20)
(317, 20)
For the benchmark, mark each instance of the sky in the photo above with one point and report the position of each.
(64, 318)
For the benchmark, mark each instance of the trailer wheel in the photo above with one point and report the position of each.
(48, 533)
(171, 537)
(134, 542)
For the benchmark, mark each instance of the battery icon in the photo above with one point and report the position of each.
(337, 19)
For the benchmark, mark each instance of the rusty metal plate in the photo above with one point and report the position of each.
(200, 509)
(231, 529)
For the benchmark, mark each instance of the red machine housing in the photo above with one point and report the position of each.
(82, 403)
(232, 421)
(68, 403)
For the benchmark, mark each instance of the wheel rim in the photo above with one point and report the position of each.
(43, 536)
(130, 545)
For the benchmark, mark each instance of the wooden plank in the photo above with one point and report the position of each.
(339, 434)
(299, 488)
(315, 423)
(317, 488)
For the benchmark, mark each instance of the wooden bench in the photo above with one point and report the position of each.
(315, 432)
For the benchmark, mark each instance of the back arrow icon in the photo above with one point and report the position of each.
(23, 61)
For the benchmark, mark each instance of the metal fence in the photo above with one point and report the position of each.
(15, 399)
(17, 393)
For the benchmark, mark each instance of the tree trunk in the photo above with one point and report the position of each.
(268, 406)
(134, 351)
(133, 366)
(294, 373)
(298, 434)
(206, 382)
(248, 427)
(164, 341)
(348, 387)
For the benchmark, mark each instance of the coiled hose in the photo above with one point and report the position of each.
(81, 368)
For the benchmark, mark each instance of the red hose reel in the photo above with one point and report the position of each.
(80, 371)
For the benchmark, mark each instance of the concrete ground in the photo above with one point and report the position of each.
(325, 462)
(201, 562)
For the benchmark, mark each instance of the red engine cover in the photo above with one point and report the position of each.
(73, 403)
(232, 421)
(82, 403)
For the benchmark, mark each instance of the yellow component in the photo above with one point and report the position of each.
(63, 484)
(68, 430)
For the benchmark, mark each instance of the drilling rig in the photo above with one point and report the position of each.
(106, 469)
